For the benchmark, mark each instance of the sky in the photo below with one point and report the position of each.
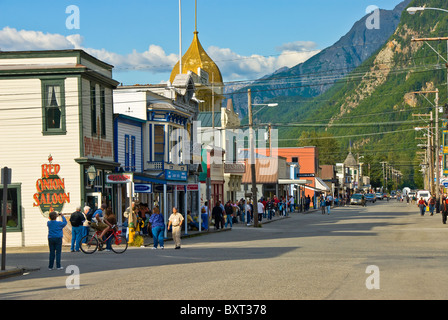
(246, 38)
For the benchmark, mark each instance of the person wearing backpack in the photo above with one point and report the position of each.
(432, 205)
(422, 206)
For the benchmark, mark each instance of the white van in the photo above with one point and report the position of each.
(426, 195)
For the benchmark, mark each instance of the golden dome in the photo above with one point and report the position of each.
(195, 58)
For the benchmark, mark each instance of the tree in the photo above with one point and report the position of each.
(328, 146)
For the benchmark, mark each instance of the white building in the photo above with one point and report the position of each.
(56, 121)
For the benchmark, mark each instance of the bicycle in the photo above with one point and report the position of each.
(115, 241)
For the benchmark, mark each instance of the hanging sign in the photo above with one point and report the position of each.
(50, 195)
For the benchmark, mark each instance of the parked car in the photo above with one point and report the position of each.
(370, 197)
(379, 195)
(356, 199)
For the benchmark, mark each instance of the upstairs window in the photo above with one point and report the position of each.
(93, 109)
(53, 107)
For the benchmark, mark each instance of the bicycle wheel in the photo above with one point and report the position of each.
(119, 244)
(89, 244)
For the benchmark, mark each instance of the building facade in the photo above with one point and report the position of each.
(57, 107)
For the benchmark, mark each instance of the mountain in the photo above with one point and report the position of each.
(374, 108)
(320, 72)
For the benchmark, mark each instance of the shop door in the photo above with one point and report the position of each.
(93, 200)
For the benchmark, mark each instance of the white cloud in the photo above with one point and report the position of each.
(155, 60)
(235, 67)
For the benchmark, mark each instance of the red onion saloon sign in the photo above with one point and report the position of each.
(50, 195)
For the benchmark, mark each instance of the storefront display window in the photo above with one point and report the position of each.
(13, 211)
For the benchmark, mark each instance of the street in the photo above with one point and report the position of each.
(383, 251)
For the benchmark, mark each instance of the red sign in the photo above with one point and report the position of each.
(50, 195)
(192, 187)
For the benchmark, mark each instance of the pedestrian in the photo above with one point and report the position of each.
(55, 235)
(86, 223)
(205, 216)
(260, 208)
(175, 221)
(432, 205)
(217, 215)
(323, 204)
(229, 214)
(76, 220)
(444, 210)
(157, 228)
(422, 206)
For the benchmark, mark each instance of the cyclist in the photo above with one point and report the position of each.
(109, 223)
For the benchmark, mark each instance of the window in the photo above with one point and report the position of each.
(126, 152)
(132, 153)
(13, 208)
(295, 159)
(53, 107)
(93, 108)
(103, 112)
(159, 143)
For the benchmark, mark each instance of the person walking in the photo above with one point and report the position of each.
(175, 221)
(432, 205)
(157, 228)
(217, 215)
(422, 206)
(444, 209)
(55, 235)
(323, 204)
(76, 220)
(229, 214)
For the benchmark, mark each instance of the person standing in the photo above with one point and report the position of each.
(76, 220)
(86, 223)
(229, 214)
(55, 235)
(444, 210)
(157, 227)
(175, 220)
(422, 206)
(260, 210)
(217, 215)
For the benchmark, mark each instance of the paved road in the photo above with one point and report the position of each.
(306, 256)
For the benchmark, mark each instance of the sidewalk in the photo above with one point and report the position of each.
(148, 242)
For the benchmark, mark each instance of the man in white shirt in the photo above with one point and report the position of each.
(260, 208)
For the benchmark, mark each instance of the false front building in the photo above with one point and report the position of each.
(56, 122)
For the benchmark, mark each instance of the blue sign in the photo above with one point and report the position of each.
(175, 175)
(142, 188)
(445, 184)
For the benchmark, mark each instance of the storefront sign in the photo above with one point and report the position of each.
(50, 195)
(142, 188)
(192, 187)
(118, 178)
(175, 175)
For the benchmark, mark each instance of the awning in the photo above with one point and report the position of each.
(320, 185)
(294, 181)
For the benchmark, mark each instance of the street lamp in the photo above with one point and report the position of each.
(413, 10)
(252, 151)
(91, 174)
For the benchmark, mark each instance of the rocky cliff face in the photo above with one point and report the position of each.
(320, 72)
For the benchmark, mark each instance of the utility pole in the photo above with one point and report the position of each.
(252, 157)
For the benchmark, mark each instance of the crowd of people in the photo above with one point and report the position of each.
(224, 215)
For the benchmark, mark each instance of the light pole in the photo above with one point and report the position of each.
(252, 152)
(414, 10)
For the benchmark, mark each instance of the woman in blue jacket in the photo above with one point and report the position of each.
(55, 239)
